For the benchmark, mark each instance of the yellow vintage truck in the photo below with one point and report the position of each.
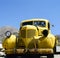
(34, 39)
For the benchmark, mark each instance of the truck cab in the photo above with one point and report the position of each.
(40, 24)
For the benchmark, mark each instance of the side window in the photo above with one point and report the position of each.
(49, 26)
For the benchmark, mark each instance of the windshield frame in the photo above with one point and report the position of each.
(32, 23)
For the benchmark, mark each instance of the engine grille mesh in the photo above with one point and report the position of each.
(27, 33)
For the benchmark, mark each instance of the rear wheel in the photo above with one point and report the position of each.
(54, 49)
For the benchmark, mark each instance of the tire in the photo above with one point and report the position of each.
(11, 56)
(50, 56)
(54, 49)
(30, 56)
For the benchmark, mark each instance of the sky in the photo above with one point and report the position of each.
(12, 12)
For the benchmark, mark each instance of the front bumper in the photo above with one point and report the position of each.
(29, 51)
(36, 51)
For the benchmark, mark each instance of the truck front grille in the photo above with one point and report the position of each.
(27, 33)
(30, 33)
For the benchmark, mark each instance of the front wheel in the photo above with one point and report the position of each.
(30, 56)
(11, 56)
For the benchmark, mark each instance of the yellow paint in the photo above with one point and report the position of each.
(34, 38)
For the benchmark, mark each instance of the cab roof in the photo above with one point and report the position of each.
(34, 20)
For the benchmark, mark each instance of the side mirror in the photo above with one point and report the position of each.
(45, 33)
(8, 34)
(52, 25)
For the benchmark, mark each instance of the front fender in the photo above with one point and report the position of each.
(9, 43)
(46, 42)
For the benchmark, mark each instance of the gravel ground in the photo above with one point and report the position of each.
(55, 56)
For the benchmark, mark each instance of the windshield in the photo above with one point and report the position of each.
(40, 23)
(27, 23)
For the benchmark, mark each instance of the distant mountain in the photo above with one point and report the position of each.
(7, 28)
(58, 37)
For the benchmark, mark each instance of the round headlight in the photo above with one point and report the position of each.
(45, 33)
(8, 34)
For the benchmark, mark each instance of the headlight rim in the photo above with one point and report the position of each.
(8, 34)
